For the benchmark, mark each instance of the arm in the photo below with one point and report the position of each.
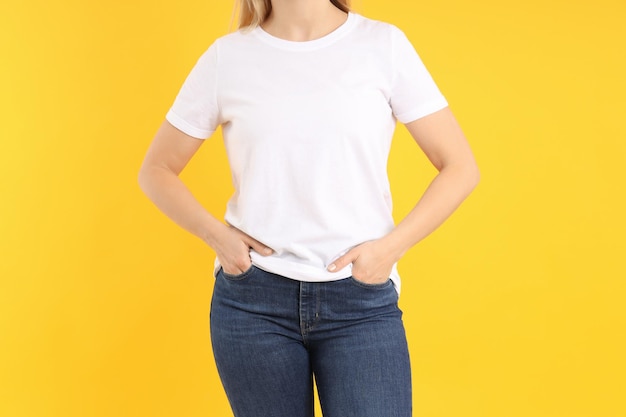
(441, 139)
(168, 154)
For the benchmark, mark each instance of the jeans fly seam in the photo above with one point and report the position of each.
(308, 318)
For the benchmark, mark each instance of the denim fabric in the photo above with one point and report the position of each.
(271, 335)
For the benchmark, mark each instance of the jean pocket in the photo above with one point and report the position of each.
(377, 286)
(238, 277)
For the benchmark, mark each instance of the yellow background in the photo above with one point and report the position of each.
(515, 307)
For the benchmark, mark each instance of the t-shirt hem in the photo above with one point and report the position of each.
(182, 125)
(306, 273)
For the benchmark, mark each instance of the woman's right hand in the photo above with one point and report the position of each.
(232, 247)
(169, 153)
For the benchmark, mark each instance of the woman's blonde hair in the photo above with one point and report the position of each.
(254, 12)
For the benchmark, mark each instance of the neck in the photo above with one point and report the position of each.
(303, 20)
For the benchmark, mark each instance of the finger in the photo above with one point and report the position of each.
(342, 261)
(253, 243)
(258, 246)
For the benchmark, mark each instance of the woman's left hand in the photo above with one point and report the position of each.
(372, 262)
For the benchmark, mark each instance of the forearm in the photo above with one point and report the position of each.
(445, 145)
(442, 197)
(166, 190)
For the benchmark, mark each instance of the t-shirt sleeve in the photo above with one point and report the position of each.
(195, 110)
(414, 93)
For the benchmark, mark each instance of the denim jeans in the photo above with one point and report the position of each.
(272, 335)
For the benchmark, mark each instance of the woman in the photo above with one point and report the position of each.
(308, 95)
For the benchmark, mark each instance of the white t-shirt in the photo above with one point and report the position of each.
(307, 128)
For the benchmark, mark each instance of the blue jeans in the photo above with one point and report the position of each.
(271, 335)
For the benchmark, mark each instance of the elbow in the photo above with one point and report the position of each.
(466, 174)
(141, 178)
(473, 175)
(153, 177)
(144, 178)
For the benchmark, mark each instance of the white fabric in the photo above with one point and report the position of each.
(307, 128)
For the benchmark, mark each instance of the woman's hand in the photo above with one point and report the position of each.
(372, 261)
(445, 145)
(232, 247)
(168, 154)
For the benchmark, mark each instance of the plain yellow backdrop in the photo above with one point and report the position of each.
(515, 307)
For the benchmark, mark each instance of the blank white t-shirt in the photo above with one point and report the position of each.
(307, 128)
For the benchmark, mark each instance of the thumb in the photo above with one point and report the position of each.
(259, 247)
(342, 261)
